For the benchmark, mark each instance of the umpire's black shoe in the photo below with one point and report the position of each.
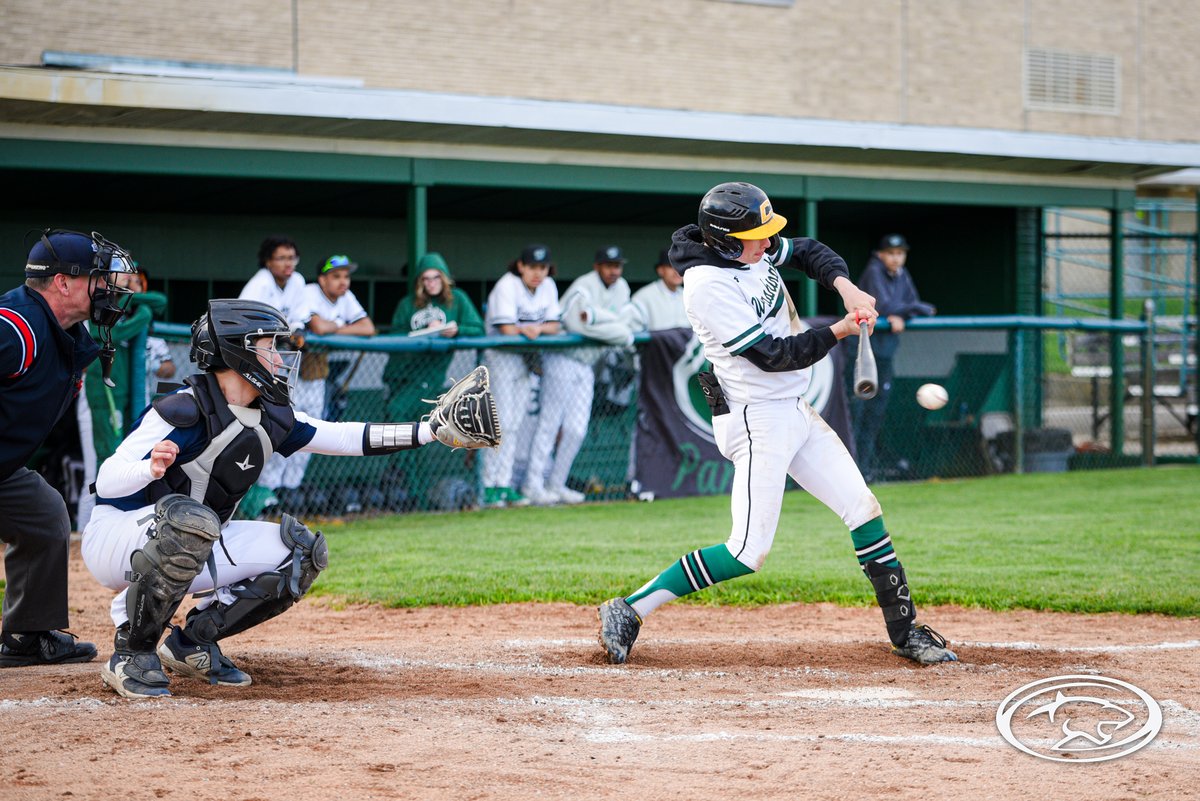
(619, 627)
(24, 648)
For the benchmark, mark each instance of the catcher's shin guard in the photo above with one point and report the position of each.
(181, 542)
(894, 598)
(267, 595)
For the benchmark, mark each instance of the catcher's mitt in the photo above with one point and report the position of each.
(465, 415)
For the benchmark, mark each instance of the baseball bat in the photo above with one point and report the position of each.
(866, 374)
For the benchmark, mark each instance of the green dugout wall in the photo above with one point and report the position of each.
(194, 216)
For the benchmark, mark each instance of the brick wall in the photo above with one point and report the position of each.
(929, 62)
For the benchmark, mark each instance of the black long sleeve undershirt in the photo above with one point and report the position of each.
(780, 354)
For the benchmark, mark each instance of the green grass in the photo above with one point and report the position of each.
(1096, 541)
(1092, 541)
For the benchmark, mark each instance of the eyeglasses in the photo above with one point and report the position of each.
(292, 258)
(432, 277)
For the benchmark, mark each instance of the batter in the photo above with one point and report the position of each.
(738, 307)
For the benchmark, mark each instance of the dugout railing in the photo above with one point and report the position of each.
(1015, 405)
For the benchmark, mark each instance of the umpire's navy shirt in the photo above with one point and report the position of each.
(41, 370)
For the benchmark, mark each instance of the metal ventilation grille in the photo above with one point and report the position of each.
(1080, 82)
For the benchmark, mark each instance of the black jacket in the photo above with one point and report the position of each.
(41, 371)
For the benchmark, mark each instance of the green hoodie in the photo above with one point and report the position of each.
(410, 376)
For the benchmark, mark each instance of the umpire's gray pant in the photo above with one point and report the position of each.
(35, 525)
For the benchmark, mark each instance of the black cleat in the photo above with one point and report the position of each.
(925, 646)
(619, 627)
(136, 674)
(195, 660)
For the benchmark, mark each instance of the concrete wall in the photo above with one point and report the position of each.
(933, 62)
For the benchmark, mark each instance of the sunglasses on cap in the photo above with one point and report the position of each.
(338, 263)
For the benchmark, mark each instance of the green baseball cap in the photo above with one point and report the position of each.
(337, 263)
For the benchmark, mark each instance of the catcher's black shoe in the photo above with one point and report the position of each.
(25, 648)
(136, 674)
(924, 645)
(619, 627)
(195, 660)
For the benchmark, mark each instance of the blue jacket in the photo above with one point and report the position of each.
(41, 371)
(894, 295)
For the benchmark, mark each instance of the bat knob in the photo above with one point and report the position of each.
(865, 390)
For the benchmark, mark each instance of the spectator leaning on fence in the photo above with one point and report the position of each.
(335, 310)
(279, 285)
(523, 302)
(596, 305)
(886, 278)
(435, 307)
(659, 305)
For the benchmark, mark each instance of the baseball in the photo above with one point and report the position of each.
(932, 396)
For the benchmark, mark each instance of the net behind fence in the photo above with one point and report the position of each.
(569, 416)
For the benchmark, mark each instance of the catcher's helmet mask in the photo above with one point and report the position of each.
(227, 337)
(732, 212)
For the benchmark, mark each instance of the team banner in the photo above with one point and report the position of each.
(676, 452)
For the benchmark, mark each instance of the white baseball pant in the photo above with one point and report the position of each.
(112, 536)
(769, 440)
(567, 389)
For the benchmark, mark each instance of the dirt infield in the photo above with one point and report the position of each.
(514, 702)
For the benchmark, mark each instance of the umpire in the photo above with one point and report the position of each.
(44, 349)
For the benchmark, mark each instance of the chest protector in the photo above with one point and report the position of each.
(236, 443)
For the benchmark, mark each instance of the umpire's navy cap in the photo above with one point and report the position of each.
(72, 254)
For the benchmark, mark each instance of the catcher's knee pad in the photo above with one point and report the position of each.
(180, 543)
(310, 555)
(894, 598)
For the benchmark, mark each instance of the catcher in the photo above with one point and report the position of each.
(162, 526)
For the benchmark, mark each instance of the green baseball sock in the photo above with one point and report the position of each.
(872, 543)
(692, 573)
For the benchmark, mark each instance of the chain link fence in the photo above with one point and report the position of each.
(567, 413)
(1010, 404)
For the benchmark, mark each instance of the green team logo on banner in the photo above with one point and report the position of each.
(690, 398)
